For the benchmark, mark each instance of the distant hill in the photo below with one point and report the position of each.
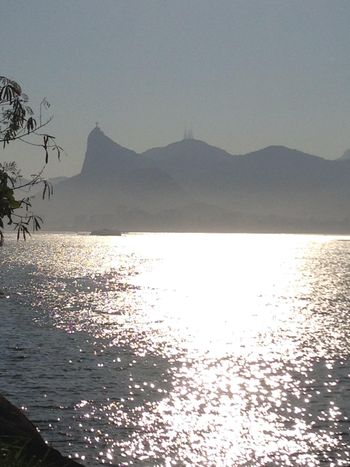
(345, 156)
(56, 180)
(192, 186)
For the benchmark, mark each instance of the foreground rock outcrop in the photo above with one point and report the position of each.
(21, 444)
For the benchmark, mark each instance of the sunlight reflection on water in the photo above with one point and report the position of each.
(203, 349)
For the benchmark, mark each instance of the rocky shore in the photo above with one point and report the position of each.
(22, 445)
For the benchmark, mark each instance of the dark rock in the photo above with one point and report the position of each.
(18, 434)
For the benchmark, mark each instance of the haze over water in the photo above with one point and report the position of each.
(181, 349)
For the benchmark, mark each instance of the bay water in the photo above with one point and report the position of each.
(181, 349)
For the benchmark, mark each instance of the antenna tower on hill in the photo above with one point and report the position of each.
(188, 133)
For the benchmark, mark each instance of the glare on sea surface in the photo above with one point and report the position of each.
(239, 345)
(212, 289)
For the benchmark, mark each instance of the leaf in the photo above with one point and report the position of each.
(31, 124)
(14, 204)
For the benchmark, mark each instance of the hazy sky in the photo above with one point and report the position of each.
(243, 73)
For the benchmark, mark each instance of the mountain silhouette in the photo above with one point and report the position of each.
(345, 156)
(190, 185)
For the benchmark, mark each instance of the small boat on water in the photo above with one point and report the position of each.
(106, 233)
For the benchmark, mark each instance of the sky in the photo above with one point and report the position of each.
(244, 74)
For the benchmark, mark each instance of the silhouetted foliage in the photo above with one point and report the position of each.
(19, 122)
